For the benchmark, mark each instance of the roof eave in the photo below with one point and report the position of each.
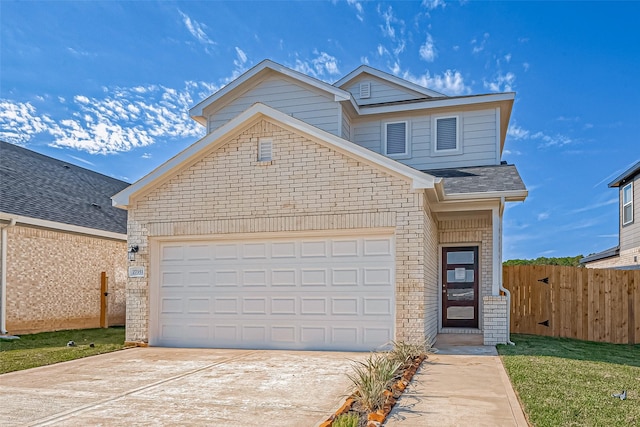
(54, 225)
(626, 175)
(441, 103)
(365, 69)
(509, 196)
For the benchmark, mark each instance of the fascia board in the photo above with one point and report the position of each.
(465, 205)
(514, 195)
(196, 111)
(364, 69)
(61, 226)
(447, 102)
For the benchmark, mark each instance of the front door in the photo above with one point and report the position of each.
(460, 287)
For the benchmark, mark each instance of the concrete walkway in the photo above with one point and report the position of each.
(459, 386)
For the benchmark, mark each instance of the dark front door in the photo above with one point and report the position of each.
(460, 287)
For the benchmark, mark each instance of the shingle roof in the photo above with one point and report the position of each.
(480, 179)
(607, 253)
(37, 186)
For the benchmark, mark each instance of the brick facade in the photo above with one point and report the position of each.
(495, 320)
(628, 257)
(53, 280)
(307, 187)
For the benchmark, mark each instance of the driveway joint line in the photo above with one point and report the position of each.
(66, 414)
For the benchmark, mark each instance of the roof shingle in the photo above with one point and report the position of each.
(480, 179)
(38, 186)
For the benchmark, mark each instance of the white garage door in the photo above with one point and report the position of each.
(299, 293)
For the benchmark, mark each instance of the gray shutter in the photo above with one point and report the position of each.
(396, 138)
(446, 133)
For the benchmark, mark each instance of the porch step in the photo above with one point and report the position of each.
(459, 339)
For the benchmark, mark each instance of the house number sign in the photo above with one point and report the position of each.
(136, 271)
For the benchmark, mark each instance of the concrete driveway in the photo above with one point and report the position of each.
(163, 386)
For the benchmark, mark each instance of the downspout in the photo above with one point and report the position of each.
(3, 277)
(499, 274)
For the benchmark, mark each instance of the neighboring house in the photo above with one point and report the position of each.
(319, 216)
(627, 254)
(59, 232)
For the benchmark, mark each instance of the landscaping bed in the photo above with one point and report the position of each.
(378, 383)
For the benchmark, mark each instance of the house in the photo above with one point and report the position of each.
(59, 233)
(324, 216)
(626, 255)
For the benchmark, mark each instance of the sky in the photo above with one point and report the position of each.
(108, 85)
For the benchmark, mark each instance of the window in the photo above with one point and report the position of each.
(446, 134)
(396, 139)
(265, 150)
(627, 204)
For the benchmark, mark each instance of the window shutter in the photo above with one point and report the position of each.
(265, 147)
(446, 134)
(365, 90)
(396, 138)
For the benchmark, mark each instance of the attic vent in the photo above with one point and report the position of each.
(66, 166)
(95, 205)
(265, 150)
(365, 90)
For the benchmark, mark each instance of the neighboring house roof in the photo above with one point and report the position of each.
(470, 181)
(607, 253)
(36, 186)
(365, 69)
(264, 67)
(626, 176)
(251, 116)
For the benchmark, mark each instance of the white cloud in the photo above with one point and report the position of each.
(542, 216)
(382, 50)
(320, 66)
(196, 29)
(242, 58)
(81, 160)
(551, 141)
(507, 57)
(359, 9)
(516, 132)
(478, 46)
(146, 155)
(525, 66)
(501, 83)
(433, 4)
(594, 206)
(121, 120)
(428, 49)
(450, 82)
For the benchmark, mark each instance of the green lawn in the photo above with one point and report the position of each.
(565, 382)
(51, 347)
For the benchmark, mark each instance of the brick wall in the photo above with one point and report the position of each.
(53, 280)
(495, 320)
(307, 186)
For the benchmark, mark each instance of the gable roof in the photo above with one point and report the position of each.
(626, 176)
(365, 69)
(39, 187)
(196, 112)
(246, 119)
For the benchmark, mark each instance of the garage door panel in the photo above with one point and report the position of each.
(303, 293)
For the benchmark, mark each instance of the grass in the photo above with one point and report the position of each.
(47, 348)
(566, 382)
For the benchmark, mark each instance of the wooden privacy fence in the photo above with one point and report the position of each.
(584, 303)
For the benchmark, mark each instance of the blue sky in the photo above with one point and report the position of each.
(107, 85)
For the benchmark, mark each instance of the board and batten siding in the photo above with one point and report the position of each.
(479, 138)
(283, 94)
(630, 234)
(381, 91)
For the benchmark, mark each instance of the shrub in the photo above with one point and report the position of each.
(371, 378)
(350, 419)
(403, 352)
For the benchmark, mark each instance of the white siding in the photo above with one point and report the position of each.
(283, 94)
(479, 138)
(346, 127)
(630, 234)
(381, 91)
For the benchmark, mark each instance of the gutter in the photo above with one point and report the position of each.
(3, 277)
